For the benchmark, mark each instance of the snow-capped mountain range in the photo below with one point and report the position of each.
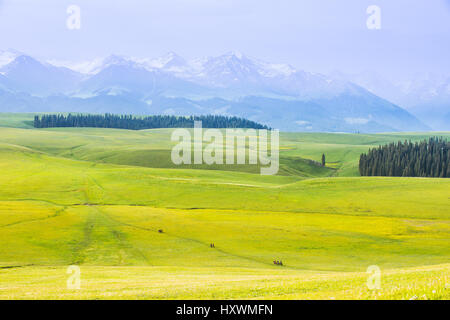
(232, 84)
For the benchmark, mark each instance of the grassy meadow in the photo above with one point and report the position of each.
(111, 202)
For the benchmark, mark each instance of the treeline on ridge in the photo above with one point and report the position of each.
(420, 159)
(138, 123)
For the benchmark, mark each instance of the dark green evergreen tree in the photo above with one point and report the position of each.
(428, 158)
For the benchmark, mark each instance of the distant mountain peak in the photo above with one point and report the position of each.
(234, 55)
(22, 62)
(7, 56)
(171, 60)
(24, 59)
(114, 60)
(117, 60)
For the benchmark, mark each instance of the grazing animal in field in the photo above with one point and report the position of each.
(160, 231)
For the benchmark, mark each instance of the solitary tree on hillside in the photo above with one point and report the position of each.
(323, 160)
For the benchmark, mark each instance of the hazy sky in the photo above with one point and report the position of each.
(315, 35)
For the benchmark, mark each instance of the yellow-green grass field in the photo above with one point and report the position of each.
(98, 199)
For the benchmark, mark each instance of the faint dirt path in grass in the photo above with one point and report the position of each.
(56, 214)
(120, 237)
(102, 240)
(79, 252)
(16, 266)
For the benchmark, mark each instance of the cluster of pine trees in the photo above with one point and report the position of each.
(139, 123)
(420, 159)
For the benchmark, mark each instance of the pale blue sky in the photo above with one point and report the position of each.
(315, 35)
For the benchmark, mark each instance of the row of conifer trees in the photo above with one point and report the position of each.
(138, 123)
(428, 158)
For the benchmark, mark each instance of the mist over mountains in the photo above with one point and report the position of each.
(427, 96)
(231, 84)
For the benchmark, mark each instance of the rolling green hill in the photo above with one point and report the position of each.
(151, 148)
(98, 198)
